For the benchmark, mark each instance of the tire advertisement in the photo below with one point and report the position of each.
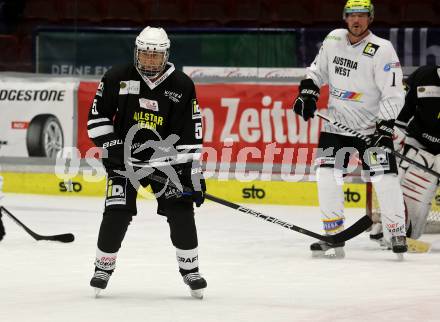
(36, 116)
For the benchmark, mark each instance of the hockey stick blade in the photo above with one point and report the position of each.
(359, 227)
(367, 140)
(64, 238)
(354, 230)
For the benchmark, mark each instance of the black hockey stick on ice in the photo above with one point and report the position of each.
(367, 140)
(354, 230)
(64, 238)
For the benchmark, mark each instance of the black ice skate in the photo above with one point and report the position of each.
(323, 249)
(196, 284)
(100, 280)
(399, 246)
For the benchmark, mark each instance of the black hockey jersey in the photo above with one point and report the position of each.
(165, 111)
(421, 112)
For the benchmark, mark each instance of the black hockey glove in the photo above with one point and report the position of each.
(383, 135)
(115, 155)
(191, 176)
(305, 103)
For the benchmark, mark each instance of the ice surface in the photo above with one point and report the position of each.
(256, 271)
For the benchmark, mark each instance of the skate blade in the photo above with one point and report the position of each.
(400, 257)
(97, 292)
(198, 294)
(381, 242)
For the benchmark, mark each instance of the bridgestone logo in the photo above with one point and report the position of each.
(32, 95)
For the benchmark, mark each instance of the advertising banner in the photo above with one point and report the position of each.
(255, 192)
(243, 123)
(92, 51)
(36, 116)
(255, 123)
(86, 93)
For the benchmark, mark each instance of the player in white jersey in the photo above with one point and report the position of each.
(366, 94)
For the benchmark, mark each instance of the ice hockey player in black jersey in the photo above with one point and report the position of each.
(146, 118)
(417, 135)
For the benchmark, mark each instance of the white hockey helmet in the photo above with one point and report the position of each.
(151, 52)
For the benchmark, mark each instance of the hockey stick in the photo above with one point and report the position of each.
(354, 230)
(64, 238)
(367, 140)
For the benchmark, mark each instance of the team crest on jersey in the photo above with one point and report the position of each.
(196, 113)
(129, 87)
(151, 105)
(370, 49)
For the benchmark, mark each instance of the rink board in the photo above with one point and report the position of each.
(262, 192)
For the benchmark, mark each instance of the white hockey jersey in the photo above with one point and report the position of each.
(365, 80)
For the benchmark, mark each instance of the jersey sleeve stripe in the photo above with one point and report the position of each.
(100, 120)
(100, 131)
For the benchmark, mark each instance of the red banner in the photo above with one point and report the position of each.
(86, 93)
(242, 123)
(255, 123)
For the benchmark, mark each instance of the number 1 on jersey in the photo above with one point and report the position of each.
(394, 80)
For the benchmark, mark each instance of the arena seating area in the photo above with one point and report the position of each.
(16, 42)
(219, 13)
